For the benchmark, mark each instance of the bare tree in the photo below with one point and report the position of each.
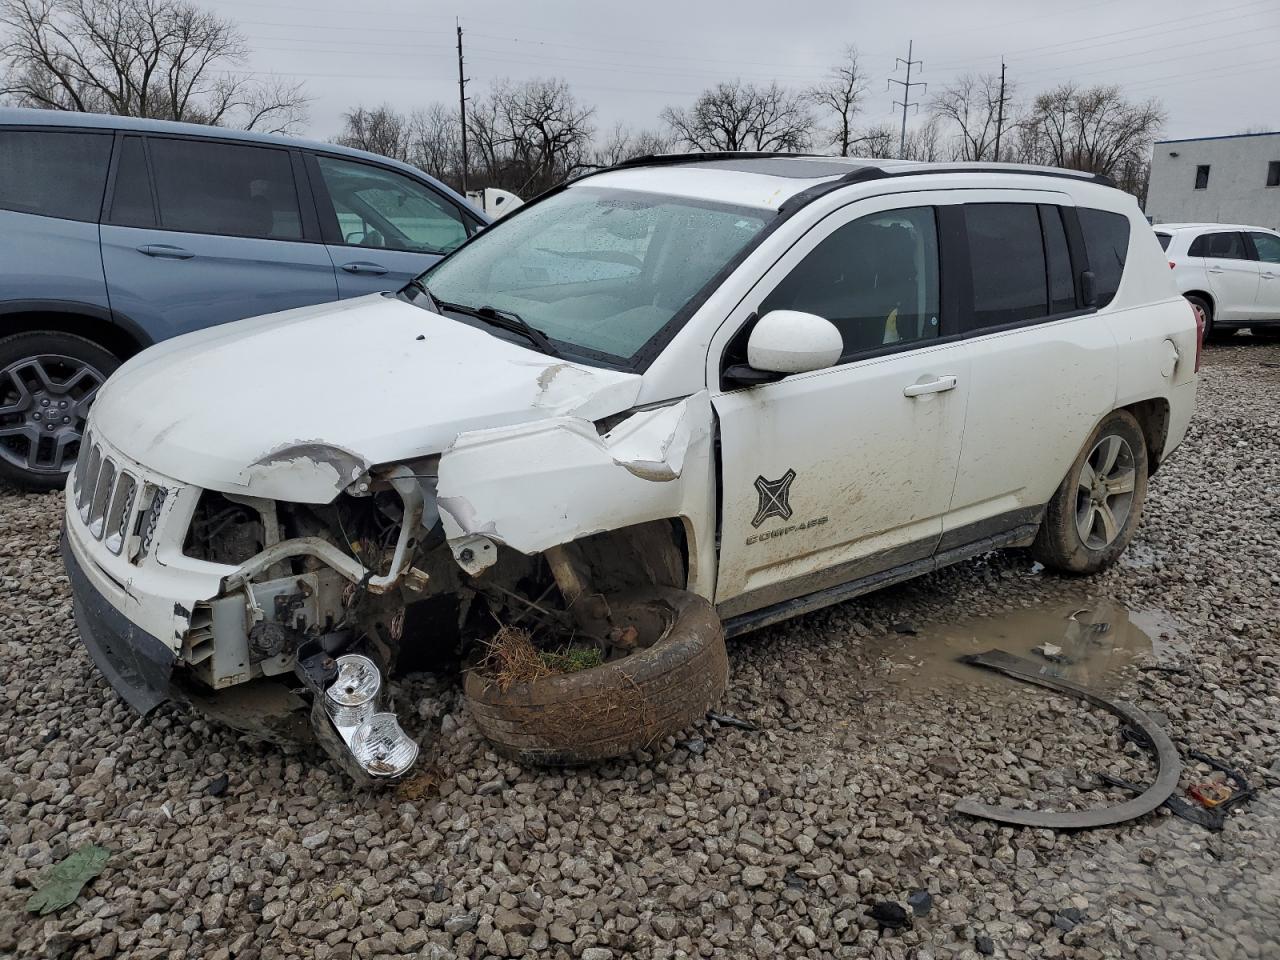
(970, 107)
(839, 98)
(378, 130)
(624, 144)
(1094, 129)
(143, 58)
(881, 142)
(742, 116)
(527, 137)
(436, 142)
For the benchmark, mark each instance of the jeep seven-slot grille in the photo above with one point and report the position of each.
(116, 507)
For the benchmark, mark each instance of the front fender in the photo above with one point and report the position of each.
(539, 485)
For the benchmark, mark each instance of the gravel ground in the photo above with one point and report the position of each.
(731, 843)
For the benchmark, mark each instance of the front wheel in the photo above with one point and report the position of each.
(47, 382)
(1093, 514)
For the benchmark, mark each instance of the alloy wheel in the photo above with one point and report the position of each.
(1104, 492)
(43, 404)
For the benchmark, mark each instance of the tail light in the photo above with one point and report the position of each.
(1199, 333)
(1172, 265)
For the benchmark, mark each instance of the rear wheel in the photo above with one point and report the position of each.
(47, 381)
(1093, 514)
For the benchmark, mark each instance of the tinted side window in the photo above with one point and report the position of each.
(1224, 246)
(1164, 239)
(1006, 255)
(379, 208)
(224, 188)
(131, 204)
(876, 279)
(1268, 247)
(1062, 287)
(1106, 242)
(53, 174)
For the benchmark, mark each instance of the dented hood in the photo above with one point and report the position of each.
(294, 405)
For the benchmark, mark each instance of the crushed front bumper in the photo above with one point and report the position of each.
(138, 666)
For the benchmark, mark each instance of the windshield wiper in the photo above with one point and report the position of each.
(504, 320)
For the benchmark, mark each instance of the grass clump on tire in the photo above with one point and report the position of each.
(631, 703)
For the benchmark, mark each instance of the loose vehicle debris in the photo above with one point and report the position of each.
(64, 882)
(648, 410)
(1168, 764)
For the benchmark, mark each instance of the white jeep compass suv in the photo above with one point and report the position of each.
(1231, 274)
(678, 398)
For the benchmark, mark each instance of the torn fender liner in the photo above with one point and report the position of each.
(1168, 763)
(137, 665)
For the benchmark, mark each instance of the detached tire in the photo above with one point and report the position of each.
(1093, 514)
(621, 706)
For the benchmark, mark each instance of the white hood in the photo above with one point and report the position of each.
(294, 405)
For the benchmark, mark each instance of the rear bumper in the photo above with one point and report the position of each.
(138, 666)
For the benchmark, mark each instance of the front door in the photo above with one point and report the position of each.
(1232, 274)
(832, 475)
(1267, 246)
(221, 238)
(382, 227)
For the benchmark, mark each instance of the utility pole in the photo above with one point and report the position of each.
(462, 108)
(1000, 113)
(906, 100)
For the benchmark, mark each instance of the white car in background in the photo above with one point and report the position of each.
(1230, 273)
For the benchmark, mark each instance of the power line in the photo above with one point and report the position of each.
(906, 93)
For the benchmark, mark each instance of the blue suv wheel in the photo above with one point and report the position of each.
(47, 381)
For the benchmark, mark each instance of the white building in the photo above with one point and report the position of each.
(1216, 180)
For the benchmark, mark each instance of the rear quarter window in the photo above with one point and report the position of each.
(52, 173)
(1164, 239)
(1106, 241)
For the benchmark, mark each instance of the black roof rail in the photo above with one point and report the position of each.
(869, 170)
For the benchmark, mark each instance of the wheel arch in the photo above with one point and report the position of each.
(110, 330)
(1206, 296)
(1153, 417)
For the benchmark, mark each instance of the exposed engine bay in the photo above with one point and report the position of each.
(336, 596)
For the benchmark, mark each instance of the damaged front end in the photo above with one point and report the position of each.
(281, 615)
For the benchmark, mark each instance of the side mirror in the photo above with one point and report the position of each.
(789, 341)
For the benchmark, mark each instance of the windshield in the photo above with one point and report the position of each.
(598, 269)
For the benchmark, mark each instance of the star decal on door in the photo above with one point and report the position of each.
(774, 498)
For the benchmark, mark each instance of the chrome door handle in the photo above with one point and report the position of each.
(938, 385)
(364, 268)
(1268, 276)
(165, 251)
(1216, 270)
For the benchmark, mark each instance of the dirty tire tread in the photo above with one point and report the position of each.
(615, 709)
(1058, 545)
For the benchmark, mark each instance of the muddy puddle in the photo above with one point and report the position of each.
(1086, 642)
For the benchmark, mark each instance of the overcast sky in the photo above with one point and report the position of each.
(1215, 67)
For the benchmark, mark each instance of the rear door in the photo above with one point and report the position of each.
(1233, 274)
(1043, 366)
(382, 227)
(200, 232)
(1267, 248)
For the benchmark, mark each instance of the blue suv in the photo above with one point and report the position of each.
(116, 233)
